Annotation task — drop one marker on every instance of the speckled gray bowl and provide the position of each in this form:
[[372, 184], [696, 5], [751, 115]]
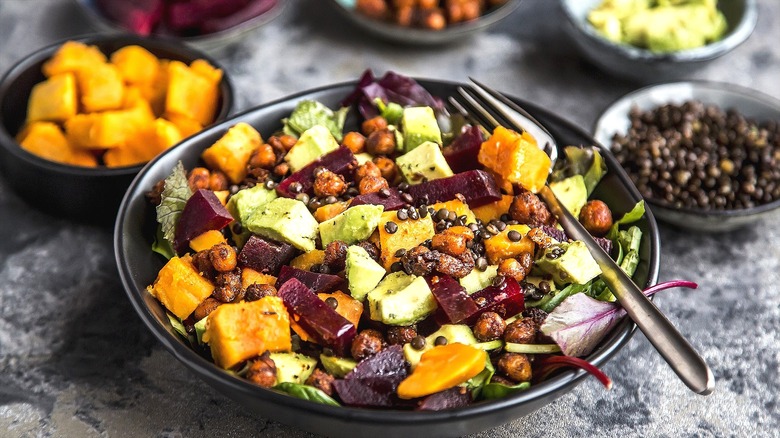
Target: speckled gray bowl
[[750, 103], [138, 267], [642, 65]]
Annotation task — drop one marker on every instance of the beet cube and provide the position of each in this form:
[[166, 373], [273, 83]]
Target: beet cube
[[373, 382], [313, 280], [455, 304], [316, 317], [203, 212], [462, 153], [456, 397], [507, 300], [476, 186], [138, 16], [341, 161], [391, 202], [265, 255]]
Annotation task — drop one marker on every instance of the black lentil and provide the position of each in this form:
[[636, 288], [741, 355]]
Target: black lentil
[[440, 340], [418, 342], [332, 302], [402, 214], [514, 235], [391, 227]]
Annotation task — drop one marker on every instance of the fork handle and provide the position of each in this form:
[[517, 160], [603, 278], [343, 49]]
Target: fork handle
[[674, 348]]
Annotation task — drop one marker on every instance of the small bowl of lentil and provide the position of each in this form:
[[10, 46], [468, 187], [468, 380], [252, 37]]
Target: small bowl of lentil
[[704, 155]]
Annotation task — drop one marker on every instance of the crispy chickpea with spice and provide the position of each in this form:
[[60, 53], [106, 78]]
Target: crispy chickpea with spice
[[426, 14]]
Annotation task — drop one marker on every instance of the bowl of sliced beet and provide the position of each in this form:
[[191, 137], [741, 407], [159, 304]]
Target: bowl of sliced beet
[[373, 267]]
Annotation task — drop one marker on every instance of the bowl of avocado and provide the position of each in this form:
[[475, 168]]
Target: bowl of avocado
[[654, 40]]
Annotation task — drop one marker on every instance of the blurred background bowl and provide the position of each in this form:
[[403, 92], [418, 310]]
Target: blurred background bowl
[[643, 65], [414, 36], [89, 194], [750, 103], [208, 42]]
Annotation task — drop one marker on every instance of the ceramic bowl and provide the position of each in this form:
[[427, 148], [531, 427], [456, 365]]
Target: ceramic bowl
[[750, 103], [138, 267], [642, 65], [80, 193]]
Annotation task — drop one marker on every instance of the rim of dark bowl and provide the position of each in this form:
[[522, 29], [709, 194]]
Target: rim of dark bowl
[[659, 204], [565, 381], [8, 140], [735, 36]]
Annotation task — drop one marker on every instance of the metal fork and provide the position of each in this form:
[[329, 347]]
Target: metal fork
[[486, 106]]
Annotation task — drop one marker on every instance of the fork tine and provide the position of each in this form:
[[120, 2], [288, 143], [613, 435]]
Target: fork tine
[[490, 122]]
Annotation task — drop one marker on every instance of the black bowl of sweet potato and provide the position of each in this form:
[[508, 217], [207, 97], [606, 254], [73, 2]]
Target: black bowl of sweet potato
[[135, 235], [73, 153]]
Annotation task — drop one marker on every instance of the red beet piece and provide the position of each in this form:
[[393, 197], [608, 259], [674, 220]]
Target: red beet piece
[[507, 300], [373, 382], [313, 280], [456, 397], [137, 16], [455, 304], [265, 256], [476, 186], [316, 317], [341, 161], [462, 153], [203, 212], [255, 8], [191, 14], [392, 202]]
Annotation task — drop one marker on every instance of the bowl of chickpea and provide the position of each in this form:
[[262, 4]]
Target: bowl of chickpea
[[424, 22]]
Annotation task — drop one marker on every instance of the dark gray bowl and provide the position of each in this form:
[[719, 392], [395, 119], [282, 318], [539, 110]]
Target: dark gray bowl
[[750, 103], [80, 193], [138, 267], [643, 65], [415, 36]]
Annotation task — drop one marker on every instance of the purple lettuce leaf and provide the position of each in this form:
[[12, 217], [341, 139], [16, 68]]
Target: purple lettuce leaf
[[392, 87], [580, 322]]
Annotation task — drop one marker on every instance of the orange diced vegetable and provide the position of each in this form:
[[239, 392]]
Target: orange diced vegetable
[[193, 93], [350, 308], [47, 140], [329, 211], [186, 126], [516, 158], [137, 65], [71, 57], [442, 367], [240, 331], [459, 207], [249, 276], [500, 247], [308, 259], [493, 210], [180, 288], [231, 153], [101, 88], [410, 233], [143, 145], [54, 99], [207, 240]]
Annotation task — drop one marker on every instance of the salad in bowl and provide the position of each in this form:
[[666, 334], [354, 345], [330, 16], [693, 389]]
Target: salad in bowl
[[383, 253]]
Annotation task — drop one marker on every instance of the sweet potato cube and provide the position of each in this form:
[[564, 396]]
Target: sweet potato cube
[[143, 145], [71, 57], [136, 64], [410, 233], [54, 99], [249, 277], [46, 140], [493, 210], [459, 207], [108, 129], [500, 247], [206, 240], [156, 91], [191, 92], [208, 71], [516, 158], [186, 126], [308, 259], [101, 88], [348, 307], [180, 288], [240, 331], [329, 211], [231, 153]]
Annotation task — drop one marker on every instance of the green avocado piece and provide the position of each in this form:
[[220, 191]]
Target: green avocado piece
[[336, 366], [286, 220], [477, 280], [575, 265], [426, 162], [453, 332], [312, 144], [401, 299], [572, 193], [363, 272], [351, 226], [419, 125], [242, 204], [293, 367]]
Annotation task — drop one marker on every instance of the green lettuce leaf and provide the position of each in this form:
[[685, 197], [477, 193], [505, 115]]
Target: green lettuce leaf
[[476, 383], [634, 215], [493, 390], [391, 111], [587, 162], [309, 113], [162, 246], [306, 392], [174, 197]]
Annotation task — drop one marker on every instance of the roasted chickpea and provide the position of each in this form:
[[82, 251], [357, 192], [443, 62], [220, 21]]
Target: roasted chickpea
[[387, 168], [262, 371], [257, 291], [355, 141], [521, 331], [489, 326], [596, 217], [515, 366], [207, 306], [371, 249], [366, 343], [223, 257], [218, 181], [404, 16], [287, 141], [328, 183], [202, 263], [455, 267], [281, 169], [321, 380], [527, 208], [516, 268], [335, 256], [373, 124], [400, 335], [198, 178], [540, 238], [380, 142], [228, 287], [367, 169], [419, 261], [372, 184], [264, 157], [453, 240], [432, 19]]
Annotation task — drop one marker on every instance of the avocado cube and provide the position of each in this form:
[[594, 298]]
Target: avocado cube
[[572, 193], [352, 225], [293, 367], [419, 125], [242, 204], [286, 220], [575, 265], [401, 299], [312, 144], [363, 272], [424, 163], [336, 366], [477, 280]]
